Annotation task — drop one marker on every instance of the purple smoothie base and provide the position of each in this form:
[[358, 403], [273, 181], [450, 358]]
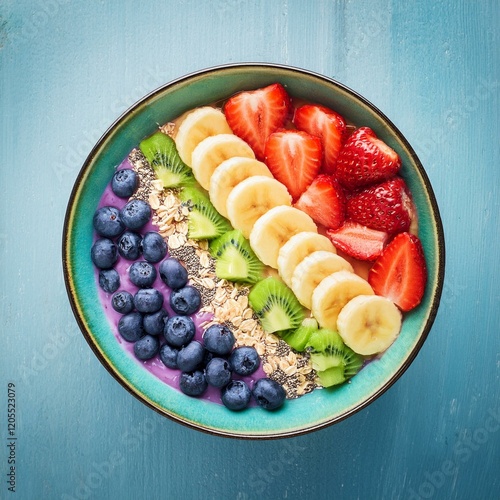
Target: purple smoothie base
[[155, 366]]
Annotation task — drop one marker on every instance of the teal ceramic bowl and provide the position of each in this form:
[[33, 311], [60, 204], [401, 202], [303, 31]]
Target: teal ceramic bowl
[[319, 408]]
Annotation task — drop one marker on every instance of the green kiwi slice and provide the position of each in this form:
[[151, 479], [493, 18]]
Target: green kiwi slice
[[299, 338]]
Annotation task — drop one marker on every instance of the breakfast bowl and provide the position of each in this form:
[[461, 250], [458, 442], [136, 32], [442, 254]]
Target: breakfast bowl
[[150, 381]]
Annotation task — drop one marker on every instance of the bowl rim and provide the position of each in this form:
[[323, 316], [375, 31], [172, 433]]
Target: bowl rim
[[434, 209]]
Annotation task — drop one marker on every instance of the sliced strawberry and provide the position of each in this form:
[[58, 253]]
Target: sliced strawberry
[[255, 114], [364, 159], [324, 201], [294, 158], [326, 124], [387, 206], [358, 241], [400, 273]]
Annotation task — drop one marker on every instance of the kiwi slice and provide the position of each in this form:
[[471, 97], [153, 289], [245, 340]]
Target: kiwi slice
[[299, 338], [276, 306], [235, 259], [204, 222], [161, 152]]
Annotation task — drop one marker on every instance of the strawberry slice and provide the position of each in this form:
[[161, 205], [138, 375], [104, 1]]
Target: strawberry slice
[[255, 114], [294, 158], [324, 201], [386, 207], [326, 124], [364, 159], [358, 241], [400, 273]]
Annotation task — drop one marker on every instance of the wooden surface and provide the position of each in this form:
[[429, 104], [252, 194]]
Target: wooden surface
[[69, 69]]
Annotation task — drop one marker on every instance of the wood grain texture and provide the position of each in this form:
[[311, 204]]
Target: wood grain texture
[[69, 69]]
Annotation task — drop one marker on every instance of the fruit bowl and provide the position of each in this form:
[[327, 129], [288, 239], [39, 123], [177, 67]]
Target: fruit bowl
[[319, 408]]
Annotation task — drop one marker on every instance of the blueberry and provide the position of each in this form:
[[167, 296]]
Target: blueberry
[[135, 214], [168, 356], [142, 274], [244, 360], [148, 300], [268, 393], [236, 395], [107, 222], [129, 245], [173, 273], [218, 339], [218, 372], [193, 384], [154, 323], [103, 253], [109, 280], [130, 326], [154, 247], [186, 300], [179, 330], [124, 183], [122, 302], [146, 347], [190, 356]]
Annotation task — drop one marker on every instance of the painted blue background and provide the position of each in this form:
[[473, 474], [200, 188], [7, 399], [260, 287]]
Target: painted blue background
[[69, 68]]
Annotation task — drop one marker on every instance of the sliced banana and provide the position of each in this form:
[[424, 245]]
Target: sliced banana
[[273, 229], [333, 293], [369, 324], [198, 125], [312, 270], [212, 151], [252, 198], [230, 173], [297, 248]]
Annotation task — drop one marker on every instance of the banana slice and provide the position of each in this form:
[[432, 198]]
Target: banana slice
[[273, 229], [312, 270], [230, 173], [196, 126], [333, 293], [369, 324], [252, 198], [212, 151], [297, 248]]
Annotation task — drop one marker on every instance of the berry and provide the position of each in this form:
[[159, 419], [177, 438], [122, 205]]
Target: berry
[[268, 393], [400, 273], [148, 300], [218, 372], [294, 158], [179, 330], [244, 360], [154, 247], [193, 384], [130, 326], [103, 253], [129, 245], [219, 339], [236, 395], [173, 273], [154, 323], [385, 207], [186, 300], [326, 124], [190, 356], [168, 356], [364, 160], [107, 222], [146, 347], [324, 201], [109, 280], [254, 115], [135, 214], [122, 302], [124, 183], [142, 274], [358, 241]]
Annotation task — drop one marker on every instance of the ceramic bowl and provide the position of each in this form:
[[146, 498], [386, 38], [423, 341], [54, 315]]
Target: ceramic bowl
[[312, 411]]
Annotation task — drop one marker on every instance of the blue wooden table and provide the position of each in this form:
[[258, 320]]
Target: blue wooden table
[[68, 69]]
